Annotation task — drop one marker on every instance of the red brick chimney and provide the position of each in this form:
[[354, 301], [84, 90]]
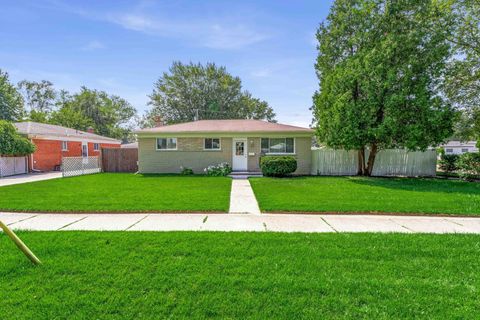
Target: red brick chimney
[[90, 130], [158, 121]]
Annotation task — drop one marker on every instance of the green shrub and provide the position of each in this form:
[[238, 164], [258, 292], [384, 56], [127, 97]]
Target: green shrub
[[185, 171], [11, 143], [448, 162], [222, 169], [469, 165], [278, 166]]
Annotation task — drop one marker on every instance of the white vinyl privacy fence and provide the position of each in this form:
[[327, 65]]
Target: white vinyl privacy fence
[[391, 162], [77, 166], [10, 166]]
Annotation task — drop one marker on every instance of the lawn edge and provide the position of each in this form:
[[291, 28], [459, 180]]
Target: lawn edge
[[351, 213], [114, 212]]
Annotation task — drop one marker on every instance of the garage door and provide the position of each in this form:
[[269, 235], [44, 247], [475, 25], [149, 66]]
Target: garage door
[[10, 166]]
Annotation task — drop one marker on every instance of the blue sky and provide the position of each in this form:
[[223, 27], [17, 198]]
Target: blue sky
[[122, 47]]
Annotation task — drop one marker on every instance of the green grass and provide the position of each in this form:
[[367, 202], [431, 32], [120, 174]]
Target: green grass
[[356, 194], [118, 192], [108, 275]]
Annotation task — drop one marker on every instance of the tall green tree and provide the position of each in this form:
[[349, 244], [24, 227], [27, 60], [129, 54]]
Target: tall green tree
[[109, 115], [379, 64], [11, 102], [206, 91], [462, 82], [39, 97]]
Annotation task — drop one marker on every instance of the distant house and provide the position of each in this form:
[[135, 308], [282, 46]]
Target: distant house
[[54, 142], [241, 143], [459, 147]]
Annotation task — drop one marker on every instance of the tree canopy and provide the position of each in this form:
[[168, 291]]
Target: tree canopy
[[206, 91], [379, 66], [462, 82], [39, 97], [12, 143], [11, 103], [108, 115]]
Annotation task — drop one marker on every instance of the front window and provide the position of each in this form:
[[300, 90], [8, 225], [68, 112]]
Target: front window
[[464, 150], [64, 146], [449, 150], [211, 144], [278, 145], [166, 143], [96, 146]]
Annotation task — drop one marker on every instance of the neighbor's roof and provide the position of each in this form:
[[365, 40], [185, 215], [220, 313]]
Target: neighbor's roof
[[227, 126], [457, 143], [133, 145], [49, 130]]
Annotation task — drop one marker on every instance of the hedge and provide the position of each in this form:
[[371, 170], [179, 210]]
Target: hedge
[[12, 143], [468, 165], [278, 166]]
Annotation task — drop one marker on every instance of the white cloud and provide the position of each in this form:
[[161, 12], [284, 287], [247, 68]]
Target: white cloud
[[93, 45], [261, 73], [205, 33]]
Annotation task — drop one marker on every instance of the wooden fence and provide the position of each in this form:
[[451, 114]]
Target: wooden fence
[[120, 160], [392, 162]]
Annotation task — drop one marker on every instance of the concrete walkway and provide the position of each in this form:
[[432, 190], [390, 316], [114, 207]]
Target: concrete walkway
[[242, 198], [241, 222], [30, 177]]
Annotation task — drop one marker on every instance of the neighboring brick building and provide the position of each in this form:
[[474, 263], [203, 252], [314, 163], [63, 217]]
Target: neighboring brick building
[[54, 142]]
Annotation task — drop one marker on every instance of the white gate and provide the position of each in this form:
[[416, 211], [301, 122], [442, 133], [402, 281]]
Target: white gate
[[77, 166], [10, 166]]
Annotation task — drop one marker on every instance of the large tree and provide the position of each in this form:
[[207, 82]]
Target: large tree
[[462, 82], [39, 97], [189, 91], [11, 102], [379, 65], [108, 115]]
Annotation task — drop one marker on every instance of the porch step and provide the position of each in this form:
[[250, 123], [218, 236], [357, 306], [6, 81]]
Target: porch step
[[244, 174]]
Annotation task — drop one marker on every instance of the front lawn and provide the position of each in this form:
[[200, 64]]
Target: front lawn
[[137, 275], [119, 192], [367, 195]]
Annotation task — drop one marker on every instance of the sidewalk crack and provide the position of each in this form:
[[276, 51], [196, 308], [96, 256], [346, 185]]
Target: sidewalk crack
[[69, 224], [137, 222], [328, 224]]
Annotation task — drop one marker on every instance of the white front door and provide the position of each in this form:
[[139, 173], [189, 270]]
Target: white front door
[[239, 161]]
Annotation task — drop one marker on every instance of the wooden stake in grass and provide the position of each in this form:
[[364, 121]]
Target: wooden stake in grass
[[19, 243]]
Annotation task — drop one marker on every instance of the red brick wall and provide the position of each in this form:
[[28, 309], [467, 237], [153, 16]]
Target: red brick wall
[[49, 152]]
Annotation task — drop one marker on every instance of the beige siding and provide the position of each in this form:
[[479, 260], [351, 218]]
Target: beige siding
[[303, 154], [190, 154]]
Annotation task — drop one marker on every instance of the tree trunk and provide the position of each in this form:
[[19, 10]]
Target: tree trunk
[[361, 162], [371, 159]]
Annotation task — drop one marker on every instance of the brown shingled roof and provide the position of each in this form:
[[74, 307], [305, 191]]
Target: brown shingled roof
[[31, 128], [227, 126]]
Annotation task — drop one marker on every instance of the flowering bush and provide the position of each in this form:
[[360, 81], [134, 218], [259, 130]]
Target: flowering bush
[[222, 169]]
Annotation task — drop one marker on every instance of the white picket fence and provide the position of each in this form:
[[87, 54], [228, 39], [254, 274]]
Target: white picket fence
[[391, 162], [77, 166], [10, 166]]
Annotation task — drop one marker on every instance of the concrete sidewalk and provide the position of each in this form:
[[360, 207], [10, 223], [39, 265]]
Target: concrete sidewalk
[[29, 177], [241, 222]]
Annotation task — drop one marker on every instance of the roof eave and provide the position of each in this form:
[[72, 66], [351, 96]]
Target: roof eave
[[225, 134]]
